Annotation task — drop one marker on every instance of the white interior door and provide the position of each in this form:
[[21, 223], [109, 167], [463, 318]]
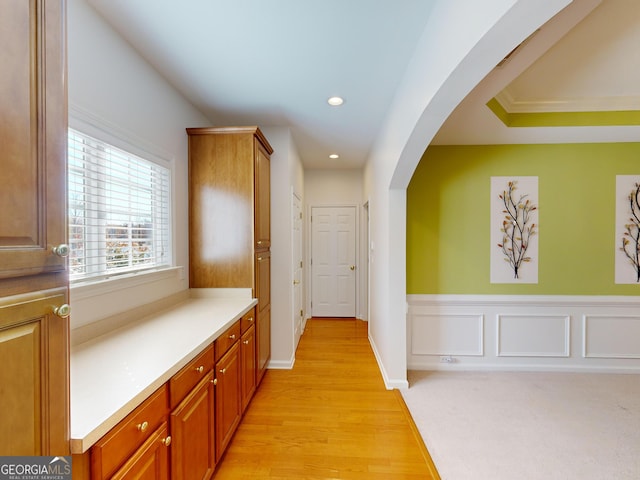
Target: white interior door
[[333, 261], [296, 264]]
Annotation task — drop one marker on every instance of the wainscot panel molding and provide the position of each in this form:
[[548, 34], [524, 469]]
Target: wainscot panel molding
[[533, 335], [523, 332], [608, 336]]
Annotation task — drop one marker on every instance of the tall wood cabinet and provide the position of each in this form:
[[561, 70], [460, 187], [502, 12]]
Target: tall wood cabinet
[[230, 219], [34, 331]]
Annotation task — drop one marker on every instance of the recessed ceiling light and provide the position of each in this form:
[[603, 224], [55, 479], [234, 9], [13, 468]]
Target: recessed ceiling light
[[334, 155], [335, 101]]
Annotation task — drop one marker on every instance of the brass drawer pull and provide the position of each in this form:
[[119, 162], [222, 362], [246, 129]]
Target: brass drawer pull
[[232, 336], [166, 441], [143, 426], [200, 369]]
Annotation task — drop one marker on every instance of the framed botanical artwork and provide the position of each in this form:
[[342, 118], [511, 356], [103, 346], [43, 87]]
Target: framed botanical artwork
[[627, 241], [514, 230]]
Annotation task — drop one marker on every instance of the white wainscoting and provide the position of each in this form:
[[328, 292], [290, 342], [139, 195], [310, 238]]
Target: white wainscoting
[[528, 333]]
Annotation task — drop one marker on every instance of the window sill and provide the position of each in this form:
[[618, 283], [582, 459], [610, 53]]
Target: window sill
[[86, 290]]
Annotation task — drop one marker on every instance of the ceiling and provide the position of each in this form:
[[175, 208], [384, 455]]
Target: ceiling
[[252, 62], [585, 60]]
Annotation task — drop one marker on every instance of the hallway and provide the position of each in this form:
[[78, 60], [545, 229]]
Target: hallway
[[328, 417]]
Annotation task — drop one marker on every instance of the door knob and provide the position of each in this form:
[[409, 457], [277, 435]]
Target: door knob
[[62, 311], [61, 250], [352, 267]]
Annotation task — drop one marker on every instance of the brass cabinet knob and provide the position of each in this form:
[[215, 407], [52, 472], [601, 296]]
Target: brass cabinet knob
[[61, 250], [246, 342], [142, 427], [200, 369], [214, 381], [250, 319], [223, 371], [166, 441], [62, 311], [232, 336], [352, 267]]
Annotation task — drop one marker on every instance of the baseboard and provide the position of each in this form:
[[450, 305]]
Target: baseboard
[[282, 364], [523, 333], [390, 383]]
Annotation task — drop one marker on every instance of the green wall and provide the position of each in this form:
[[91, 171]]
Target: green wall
[[448, 217]]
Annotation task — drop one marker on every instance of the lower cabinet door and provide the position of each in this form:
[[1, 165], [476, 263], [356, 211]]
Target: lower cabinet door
[[150, 461], [34, 378], [248, 354], [263, 342], [228, 390], [193, 433]]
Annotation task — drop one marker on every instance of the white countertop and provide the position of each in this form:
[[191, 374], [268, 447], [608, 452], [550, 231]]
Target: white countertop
[[112, 374]]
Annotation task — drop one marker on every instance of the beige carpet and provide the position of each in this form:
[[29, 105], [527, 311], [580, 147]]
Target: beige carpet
[[519, 426]]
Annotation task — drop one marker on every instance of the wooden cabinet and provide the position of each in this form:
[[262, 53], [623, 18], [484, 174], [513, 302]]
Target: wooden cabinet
[[247, 360], [230, 219], [150, 461], [34, 346], [34, 374], [193, 433], [185, 426], [263, 329], [228, 391], [120, 449], [192, 419]]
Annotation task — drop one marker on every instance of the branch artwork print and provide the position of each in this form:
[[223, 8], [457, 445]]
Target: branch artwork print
[[517, 227], [631, 237]]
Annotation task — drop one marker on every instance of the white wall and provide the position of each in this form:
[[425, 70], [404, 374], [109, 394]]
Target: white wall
[[111, 86], [461, 43], [287, 177]]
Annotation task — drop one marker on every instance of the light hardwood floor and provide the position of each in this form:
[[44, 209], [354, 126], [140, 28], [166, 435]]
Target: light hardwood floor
[[330, 417]]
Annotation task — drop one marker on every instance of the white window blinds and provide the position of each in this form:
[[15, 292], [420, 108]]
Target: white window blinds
[[119, 210]]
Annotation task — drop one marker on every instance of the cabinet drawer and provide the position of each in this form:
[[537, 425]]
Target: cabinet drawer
[[247, 320], [111, 451], [226, 339], [189, 376]]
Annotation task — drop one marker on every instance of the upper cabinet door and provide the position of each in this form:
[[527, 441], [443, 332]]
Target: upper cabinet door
[[33, 132], [262, 198]]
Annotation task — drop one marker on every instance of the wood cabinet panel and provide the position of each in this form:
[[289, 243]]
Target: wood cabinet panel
[[189, 376], [220, 210], [34, 343], [263, 293], [33, 136], [263, 283], [248, 366], [228, 391], [263, 197], [193, 433], [247, 320], [34, 375], [150, 461], [230, 336], [109, 453], [263, 341]]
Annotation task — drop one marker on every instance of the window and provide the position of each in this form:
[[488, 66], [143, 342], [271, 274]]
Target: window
[[119, 210]]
